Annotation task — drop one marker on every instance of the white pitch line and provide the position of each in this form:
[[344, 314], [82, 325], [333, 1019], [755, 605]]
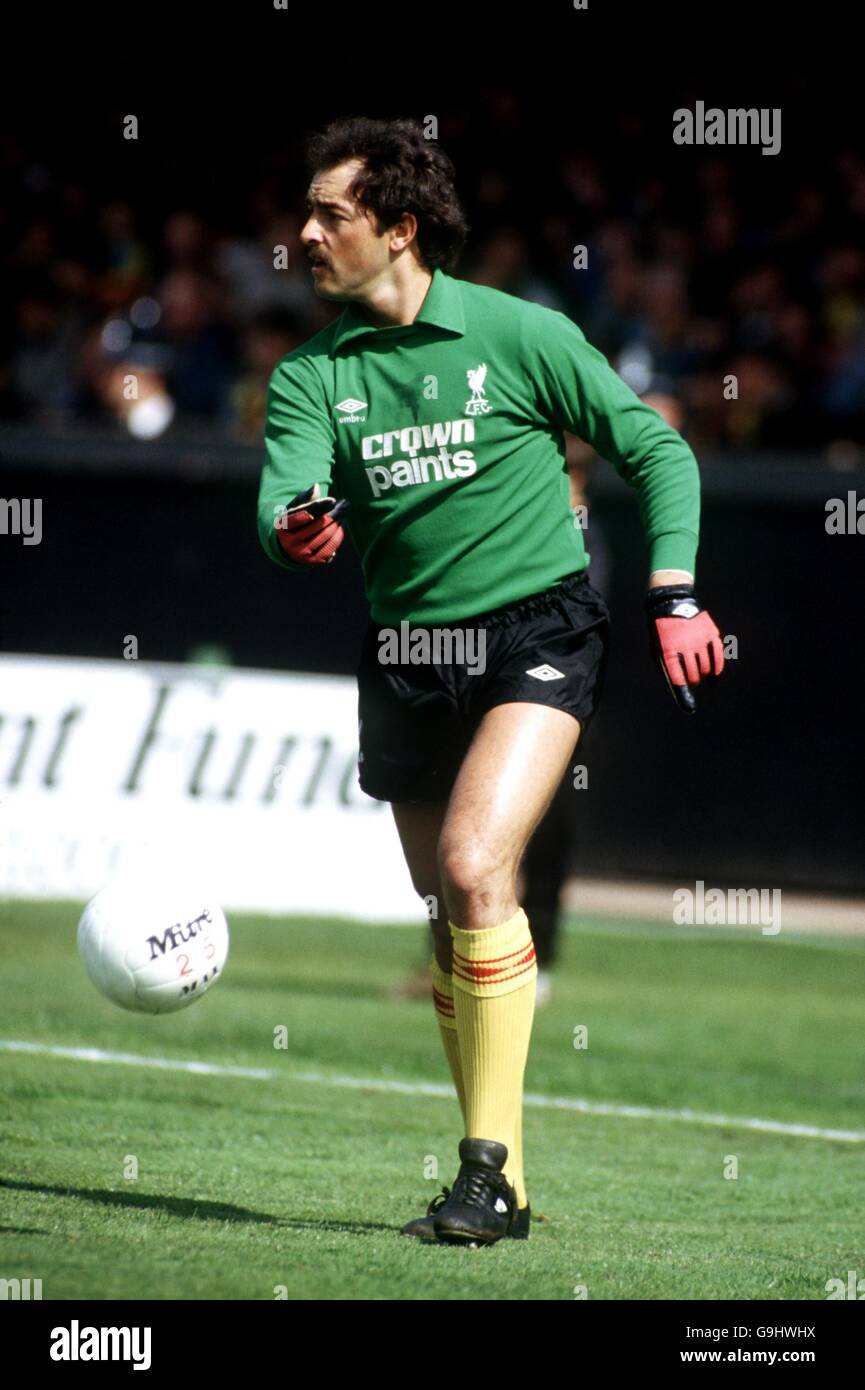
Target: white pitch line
[[592, 1107], [438, 1089], [130, 1059]]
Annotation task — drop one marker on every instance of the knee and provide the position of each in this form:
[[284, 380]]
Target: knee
[[470, 871]]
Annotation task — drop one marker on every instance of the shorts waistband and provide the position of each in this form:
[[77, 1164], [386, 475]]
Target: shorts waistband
[[526, 607]]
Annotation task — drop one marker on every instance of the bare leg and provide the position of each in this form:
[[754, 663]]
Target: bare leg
[[508, 778], [419, 827]]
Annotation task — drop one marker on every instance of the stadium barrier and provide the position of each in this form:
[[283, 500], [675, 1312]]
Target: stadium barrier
[[245, 780]]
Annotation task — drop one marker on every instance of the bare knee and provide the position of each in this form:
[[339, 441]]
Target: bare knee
[[475, 878]]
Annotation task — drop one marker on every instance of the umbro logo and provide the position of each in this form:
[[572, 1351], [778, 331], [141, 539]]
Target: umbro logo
[[350, 409], [545, 673], [688, 609]]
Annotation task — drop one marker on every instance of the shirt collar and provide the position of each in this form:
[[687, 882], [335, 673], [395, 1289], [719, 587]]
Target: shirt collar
[[442, 307]]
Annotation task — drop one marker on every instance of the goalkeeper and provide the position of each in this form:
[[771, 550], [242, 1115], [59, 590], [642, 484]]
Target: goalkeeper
[[434, 410]]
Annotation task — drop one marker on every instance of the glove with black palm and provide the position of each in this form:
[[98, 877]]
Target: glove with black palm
[[307, 529], [683, 640]]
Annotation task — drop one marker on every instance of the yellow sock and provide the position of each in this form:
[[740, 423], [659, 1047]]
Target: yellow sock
[[494, 974], [443, 999]]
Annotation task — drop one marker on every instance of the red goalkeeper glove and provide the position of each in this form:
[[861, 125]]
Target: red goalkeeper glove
[[307, 530], [683, 640]]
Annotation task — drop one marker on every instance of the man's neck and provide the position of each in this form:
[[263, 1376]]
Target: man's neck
[[396, 304]]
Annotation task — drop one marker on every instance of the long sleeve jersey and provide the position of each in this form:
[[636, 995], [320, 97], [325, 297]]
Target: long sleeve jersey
[[446, 436]]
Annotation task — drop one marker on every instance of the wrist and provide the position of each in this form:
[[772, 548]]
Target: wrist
[[659, 578]]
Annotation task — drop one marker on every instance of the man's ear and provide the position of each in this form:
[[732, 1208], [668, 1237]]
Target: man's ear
[[407, 233]]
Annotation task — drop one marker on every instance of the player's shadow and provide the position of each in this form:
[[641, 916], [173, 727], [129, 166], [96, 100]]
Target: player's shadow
[[185, 1207], [190, 1207]]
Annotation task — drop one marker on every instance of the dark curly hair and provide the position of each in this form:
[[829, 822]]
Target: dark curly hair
[[403, 172]]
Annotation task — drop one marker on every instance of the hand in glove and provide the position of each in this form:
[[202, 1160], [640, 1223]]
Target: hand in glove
[[683, 640], [307, 530]]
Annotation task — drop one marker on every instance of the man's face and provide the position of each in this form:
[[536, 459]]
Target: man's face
[[340, 237]]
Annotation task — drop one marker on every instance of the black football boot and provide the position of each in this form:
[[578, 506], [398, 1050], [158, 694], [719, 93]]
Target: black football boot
[[424, 1226], [482, 1205]]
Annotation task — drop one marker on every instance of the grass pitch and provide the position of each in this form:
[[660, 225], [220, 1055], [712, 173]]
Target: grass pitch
[[295, 1183]]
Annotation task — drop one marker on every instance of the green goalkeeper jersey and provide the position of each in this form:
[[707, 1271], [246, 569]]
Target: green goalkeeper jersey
[[446, 437]]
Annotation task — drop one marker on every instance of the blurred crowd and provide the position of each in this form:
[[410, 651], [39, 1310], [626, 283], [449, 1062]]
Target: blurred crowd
[[738, 294]]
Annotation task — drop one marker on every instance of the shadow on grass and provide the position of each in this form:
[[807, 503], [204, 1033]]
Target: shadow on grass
[[186, 1208], [177, 1206]]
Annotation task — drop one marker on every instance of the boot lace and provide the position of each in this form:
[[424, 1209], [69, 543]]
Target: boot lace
[[475, 1187]]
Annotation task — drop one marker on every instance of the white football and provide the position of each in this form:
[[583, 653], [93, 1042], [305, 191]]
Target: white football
[[153, 951]]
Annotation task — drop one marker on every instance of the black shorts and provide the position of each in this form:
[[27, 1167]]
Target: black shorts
[[416, 721]]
